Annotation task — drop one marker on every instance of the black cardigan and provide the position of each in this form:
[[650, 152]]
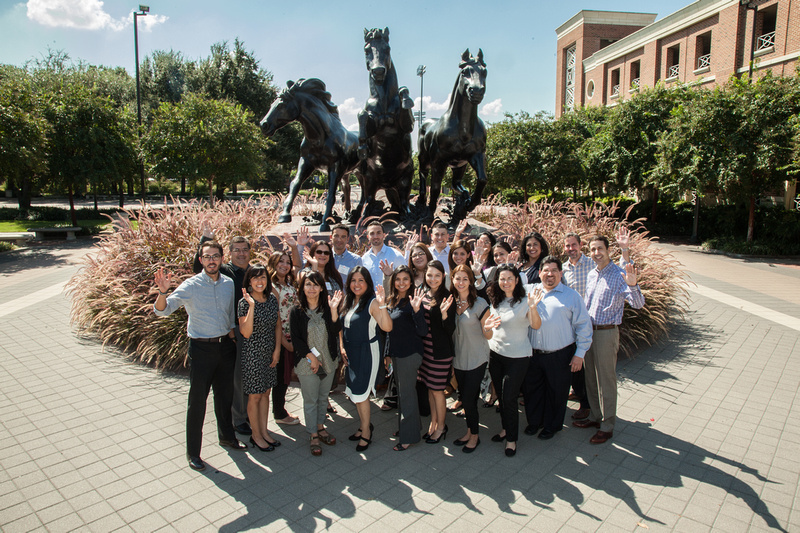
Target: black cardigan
[[298, 325], [442, 332]]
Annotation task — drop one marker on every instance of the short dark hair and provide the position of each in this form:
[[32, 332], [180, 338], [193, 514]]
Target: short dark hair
[[238, 239], [550, 260], [341, 227], [256, 271], [601, 238], [573, 234], [438, 224], [376, 223], [211, 244], [523, 251]]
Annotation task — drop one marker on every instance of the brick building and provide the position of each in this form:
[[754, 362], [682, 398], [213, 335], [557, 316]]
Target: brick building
[[605, 56]]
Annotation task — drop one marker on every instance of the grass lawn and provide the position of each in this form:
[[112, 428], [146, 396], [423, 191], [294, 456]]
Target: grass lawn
[[13, 226]]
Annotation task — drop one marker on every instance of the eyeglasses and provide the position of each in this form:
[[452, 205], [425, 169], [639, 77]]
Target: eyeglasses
[[322, 252], [211, 257]]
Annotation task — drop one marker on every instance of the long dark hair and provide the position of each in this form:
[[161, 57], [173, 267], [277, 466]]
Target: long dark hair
[[256, 271], [441, 293], [330, 272], [272, 268], [472, 294], [394, 300], [349, 295], [497, 295], [317, 279], [490, 255], [460, 243], [523, 251]]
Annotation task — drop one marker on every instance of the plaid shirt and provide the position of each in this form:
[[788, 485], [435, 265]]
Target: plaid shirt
[[606, 292], [575, 276]]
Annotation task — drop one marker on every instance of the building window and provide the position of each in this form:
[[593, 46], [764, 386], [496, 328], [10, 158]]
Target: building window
[[673, 62], [636, 67], [590, 89], [765, 29], [703, 53], [615, 83], [606, 42], [570, 57]]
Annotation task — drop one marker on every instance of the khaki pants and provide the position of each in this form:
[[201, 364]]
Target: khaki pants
[[601, 377]]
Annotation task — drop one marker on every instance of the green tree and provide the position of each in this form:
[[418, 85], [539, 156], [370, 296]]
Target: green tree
[[203, 139], [163, 78], [23, 134], [734, 140], [513, 151]]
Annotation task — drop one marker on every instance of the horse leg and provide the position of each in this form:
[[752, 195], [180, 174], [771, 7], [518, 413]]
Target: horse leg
[[437, 174], [334, 176], [460, 194], [304, 170], [478, 164], [356, 214], [424, 169], [346, 192]]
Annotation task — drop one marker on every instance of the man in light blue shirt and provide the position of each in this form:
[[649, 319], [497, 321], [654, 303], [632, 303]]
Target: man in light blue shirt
[[559, 346], [208, 300], [378, 251], [345, 260]]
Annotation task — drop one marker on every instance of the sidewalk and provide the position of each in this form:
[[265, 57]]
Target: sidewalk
[[93, 443]]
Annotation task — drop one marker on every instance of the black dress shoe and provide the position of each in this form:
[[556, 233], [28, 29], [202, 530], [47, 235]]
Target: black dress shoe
[[546, 434], [268, 448], [467, 449], [530, 430], [511, 452], [498, 438], [244, 428], [195, 463], [460, 442], [357, 435], [232, 444]]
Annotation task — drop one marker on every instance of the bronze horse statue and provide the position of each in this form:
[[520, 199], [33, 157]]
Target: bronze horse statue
[[384, 129], [456, 139], [326, 145]]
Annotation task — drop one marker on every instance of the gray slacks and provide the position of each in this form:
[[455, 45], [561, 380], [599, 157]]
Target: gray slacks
[[315, 399], [601, 377]]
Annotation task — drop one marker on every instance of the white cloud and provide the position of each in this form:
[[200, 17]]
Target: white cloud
[[430, 108], [348, 113], [493, 109], [83, 15]]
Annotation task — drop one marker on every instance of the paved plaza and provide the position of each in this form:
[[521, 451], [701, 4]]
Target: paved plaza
[[91, 442]]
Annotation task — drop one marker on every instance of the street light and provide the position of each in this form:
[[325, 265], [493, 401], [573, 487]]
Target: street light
[[420, 73], [751, 4], [143, 11]]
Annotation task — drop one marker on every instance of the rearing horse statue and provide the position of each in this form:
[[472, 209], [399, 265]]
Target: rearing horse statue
[[456, 139], [326, 145], [384, 129]]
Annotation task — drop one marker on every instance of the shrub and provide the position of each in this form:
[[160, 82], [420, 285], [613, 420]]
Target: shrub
[[113, 296], [6, 246], [662, 282]]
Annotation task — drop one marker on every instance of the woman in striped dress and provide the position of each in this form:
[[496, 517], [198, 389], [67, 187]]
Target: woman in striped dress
[[437, 356]]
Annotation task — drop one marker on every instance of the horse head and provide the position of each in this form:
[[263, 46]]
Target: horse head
[[472, 81], [378, 53], [284, 110]]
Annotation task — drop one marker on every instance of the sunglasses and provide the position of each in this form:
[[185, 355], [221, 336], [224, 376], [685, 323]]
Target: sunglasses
[[322, 252]]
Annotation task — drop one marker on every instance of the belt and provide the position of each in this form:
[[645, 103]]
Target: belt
[[212, 339], [545, 352], [604, 326]]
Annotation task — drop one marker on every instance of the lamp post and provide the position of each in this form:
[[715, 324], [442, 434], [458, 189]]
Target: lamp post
[[421, 74], [751, 4], [143, 11]]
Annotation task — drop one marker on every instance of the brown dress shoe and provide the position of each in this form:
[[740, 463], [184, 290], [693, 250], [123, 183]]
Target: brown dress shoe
[[586, 424], [580, 414], [601, 436]]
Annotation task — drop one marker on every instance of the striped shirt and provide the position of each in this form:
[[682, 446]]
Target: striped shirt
[[606, 292], [575, 276]]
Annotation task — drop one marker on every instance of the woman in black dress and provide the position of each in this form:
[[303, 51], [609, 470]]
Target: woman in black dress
[[260, 326]]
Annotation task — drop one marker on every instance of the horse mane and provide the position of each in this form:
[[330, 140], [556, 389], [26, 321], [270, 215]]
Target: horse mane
[[315, 88]]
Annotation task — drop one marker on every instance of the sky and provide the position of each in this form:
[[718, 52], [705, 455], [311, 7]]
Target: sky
[[311, 38]]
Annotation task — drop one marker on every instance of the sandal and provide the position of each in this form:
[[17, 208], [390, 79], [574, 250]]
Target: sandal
[[362, 447], [326, 438], [316, 449], [357, 435], [401, 447]]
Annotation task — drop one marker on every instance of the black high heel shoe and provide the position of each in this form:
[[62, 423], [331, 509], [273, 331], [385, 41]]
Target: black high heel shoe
[[357, 435], [267, 449], [362, 447], [443, 435]]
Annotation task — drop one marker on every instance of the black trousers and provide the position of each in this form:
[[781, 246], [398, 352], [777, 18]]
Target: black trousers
[[469, 388], [579, 386], [546, 388], [508, 373], [279, 390], [212, 366]]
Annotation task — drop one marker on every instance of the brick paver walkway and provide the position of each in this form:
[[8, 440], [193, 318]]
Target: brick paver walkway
[[705, 441]]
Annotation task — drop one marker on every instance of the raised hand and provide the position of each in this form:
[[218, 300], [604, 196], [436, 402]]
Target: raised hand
[[631, 274], [412, 240], [480, 250], [335, 299], [534, 297], [461, 228], [302, 236], [308, 258], [623, 237], [492, 322], [380, 294], [247, 297], [416, 300], [205, 227], [386, 267], [445, 305], [163, 279], [513, 258], [288, 239]]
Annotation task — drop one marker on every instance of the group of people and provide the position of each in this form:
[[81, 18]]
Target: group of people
[[437, 316]]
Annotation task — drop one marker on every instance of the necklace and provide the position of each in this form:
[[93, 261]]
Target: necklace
[[461, 302]]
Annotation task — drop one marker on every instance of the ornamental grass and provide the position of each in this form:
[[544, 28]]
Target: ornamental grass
[[661, 280], [113, 294]]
